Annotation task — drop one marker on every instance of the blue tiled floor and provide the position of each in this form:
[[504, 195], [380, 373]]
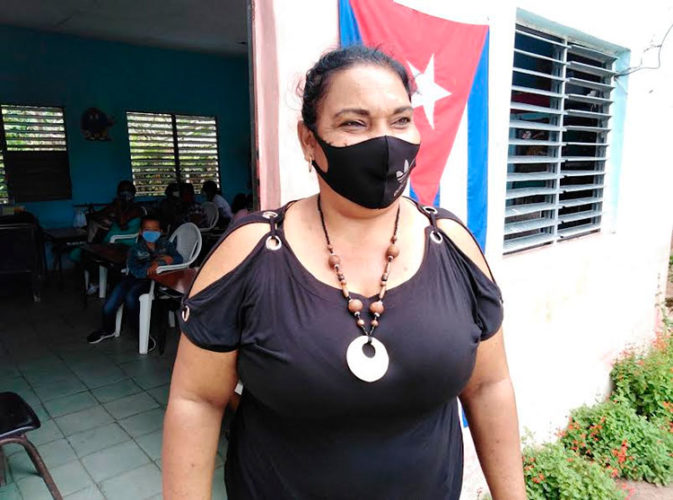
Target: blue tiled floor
[[101, 406]]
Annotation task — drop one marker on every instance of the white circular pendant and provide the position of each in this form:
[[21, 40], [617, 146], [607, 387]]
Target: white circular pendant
[[364, 367]]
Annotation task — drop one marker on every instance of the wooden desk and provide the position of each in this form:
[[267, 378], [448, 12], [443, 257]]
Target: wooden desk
[[171, 286], [178, 281], [63, 239], [65, 234], [113, 254], [109, 257]]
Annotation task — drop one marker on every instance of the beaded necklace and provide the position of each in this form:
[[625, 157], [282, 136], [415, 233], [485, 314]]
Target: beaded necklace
[[369, 368]]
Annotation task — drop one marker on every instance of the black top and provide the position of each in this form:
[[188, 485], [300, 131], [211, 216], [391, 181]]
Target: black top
[[306, 427]]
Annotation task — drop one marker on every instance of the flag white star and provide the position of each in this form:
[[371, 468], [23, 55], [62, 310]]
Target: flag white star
[[428, 92]]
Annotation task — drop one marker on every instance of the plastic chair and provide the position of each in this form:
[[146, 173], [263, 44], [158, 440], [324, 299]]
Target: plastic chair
[[17, 418], [102, 270], [212, 214], [187, 239]]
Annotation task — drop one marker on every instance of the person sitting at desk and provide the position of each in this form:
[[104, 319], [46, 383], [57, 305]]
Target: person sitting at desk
[[171, 208], [119, 217], [241, 206], [151, 251], [192, 209], [213, 194]]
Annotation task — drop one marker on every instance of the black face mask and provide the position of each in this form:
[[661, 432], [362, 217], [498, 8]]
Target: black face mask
[[372, 173]]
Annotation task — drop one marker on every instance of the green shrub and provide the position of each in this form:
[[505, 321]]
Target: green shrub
[[645, 381], [625, 443], [554, 473]]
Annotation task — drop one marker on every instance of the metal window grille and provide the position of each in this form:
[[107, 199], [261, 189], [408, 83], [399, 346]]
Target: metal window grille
[[169, 148], [558, 141], [33, 153], [32, 128], [4, 196]]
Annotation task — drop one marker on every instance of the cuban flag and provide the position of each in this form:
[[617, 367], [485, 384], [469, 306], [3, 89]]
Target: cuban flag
[[449, 63]]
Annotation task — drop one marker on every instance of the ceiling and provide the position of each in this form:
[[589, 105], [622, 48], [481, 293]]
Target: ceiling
[[214, 26]]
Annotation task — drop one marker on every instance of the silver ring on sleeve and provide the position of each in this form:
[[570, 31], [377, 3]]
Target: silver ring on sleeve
[[436, 237], [273, 243]]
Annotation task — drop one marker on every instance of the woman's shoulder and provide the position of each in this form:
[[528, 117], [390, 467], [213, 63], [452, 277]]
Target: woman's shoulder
[[465, 241], [457, 231], [236, 246]]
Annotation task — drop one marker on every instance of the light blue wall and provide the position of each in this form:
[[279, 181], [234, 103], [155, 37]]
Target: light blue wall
[[78, 73]]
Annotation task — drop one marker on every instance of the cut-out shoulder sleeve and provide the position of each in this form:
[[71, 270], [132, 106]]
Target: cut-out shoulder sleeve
[[488, 298], [212, 318]]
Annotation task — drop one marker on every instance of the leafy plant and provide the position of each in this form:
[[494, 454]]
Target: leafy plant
[[614, 436], [645, 381], [555, 473]]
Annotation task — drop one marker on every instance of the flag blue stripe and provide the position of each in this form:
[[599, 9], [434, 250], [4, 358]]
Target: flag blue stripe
[[477, 151], [349, 34]]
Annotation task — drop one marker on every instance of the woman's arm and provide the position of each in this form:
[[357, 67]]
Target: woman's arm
[[490, 407], [201, 385], [488, 399]]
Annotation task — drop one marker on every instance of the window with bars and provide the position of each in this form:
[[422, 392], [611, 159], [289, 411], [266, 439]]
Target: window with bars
[[4, 195], [169, 148], [558, 141], [33, 154]]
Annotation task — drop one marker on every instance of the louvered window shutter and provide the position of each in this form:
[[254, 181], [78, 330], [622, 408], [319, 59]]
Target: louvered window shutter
[[559, 124], [169, 148], [34, 164]]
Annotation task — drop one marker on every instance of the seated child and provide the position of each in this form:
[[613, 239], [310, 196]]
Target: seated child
[[151, 251]]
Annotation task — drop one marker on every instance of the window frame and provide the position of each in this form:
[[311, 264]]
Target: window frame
[[177, 170], [12, 197], [544, 230]]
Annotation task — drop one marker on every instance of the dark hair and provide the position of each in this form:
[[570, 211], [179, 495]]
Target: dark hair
[[171, 188], [210, 186], [152, 216], [318, 77], [239, 203], [186, 187], [126, 185]]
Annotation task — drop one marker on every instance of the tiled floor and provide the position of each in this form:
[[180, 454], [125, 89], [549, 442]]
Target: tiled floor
[[101, 406]]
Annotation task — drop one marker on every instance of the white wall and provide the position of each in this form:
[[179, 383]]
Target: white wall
[[571, 307]]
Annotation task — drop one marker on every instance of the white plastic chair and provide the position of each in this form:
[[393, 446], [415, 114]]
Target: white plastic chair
[[102, 270], [187, 239], [212, 214]]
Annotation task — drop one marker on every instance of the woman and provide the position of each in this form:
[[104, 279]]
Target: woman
[[213, 194], [117, 215], [288, 302]]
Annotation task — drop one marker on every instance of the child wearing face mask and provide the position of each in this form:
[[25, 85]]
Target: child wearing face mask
[[150, 251]]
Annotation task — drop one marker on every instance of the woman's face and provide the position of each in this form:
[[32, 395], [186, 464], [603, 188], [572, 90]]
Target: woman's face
[[360, 103]]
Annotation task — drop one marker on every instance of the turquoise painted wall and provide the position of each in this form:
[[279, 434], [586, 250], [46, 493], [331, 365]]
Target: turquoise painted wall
[[77, 73]]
